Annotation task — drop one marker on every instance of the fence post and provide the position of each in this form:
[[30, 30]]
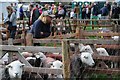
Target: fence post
[[66, 59], [10, 42], [23, 38], [0, 54], [78, 32], [7, 33], [29, 39], [0, 44]]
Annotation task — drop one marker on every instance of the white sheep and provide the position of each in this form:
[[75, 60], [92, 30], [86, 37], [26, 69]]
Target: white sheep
[[86, 48], [56, 65], [14, 70], [82, 48], [102, 51], [87, 58], [116, 38], [79, 62]]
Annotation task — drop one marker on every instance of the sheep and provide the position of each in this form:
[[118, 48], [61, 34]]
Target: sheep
[[114, 52], [56, 65], [45, 60], [13, 71], [86, 48], [102, 52], [34, 61], [40, 60], [116, 38], [82, 48], [78, 64]]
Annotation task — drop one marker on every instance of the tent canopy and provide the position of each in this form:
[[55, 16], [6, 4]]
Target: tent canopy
[[9, 1], [89, 0]]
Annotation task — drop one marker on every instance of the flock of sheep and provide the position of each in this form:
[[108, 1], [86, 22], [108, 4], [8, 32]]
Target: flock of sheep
[[14, 70]]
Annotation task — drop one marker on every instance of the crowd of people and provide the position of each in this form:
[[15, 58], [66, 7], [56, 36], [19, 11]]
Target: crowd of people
[[94, 10], [40, 17]]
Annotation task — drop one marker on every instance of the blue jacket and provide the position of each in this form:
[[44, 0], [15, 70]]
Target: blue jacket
[[104, 11], [38, 27], [21, 12]]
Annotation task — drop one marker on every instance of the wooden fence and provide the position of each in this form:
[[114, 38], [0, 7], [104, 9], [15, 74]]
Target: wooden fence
[[64, 49], [79, 25]]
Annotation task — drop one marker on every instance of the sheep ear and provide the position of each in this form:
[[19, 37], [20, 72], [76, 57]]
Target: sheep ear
[[8, 66], [23, 65], [80, 46]]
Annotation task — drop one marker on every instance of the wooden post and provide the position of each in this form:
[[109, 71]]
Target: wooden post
[[78, 32], [66, 59], [23, 38], [22, 58], [0, 38], [10, 42], [0, 54], [29, 39], [7, 32]]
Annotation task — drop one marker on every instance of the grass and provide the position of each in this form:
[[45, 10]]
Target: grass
[[104, 77], [51, 44]]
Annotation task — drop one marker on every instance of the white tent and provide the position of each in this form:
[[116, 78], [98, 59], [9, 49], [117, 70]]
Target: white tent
[[47, 1], [89, 0], [3, 5]]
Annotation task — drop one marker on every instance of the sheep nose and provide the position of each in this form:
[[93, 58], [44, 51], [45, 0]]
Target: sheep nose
[[16, 73], [93, 63]]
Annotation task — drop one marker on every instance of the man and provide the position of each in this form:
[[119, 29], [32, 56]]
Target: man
[[34, 13], [41, 27], [104, 12], [115, 14]]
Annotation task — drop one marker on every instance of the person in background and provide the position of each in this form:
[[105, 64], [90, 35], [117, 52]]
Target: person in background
[[88, 11], [40, 10], [65, 11], [41, 27], [72, 14], [34, 13], [104, 12], [59, 7], [55, 11], [83, 12], [115, 12], [31, 6], [46, 7], [61, 12], [14, 7], [77, 11], [11, 21], [21, 13], [49, 10], [95, 10]]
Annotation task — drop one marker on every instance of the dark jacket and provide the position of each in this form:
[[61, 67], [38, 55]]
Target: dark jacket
[[35, 15], [38, 27], [104, 11], [21, 13]]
